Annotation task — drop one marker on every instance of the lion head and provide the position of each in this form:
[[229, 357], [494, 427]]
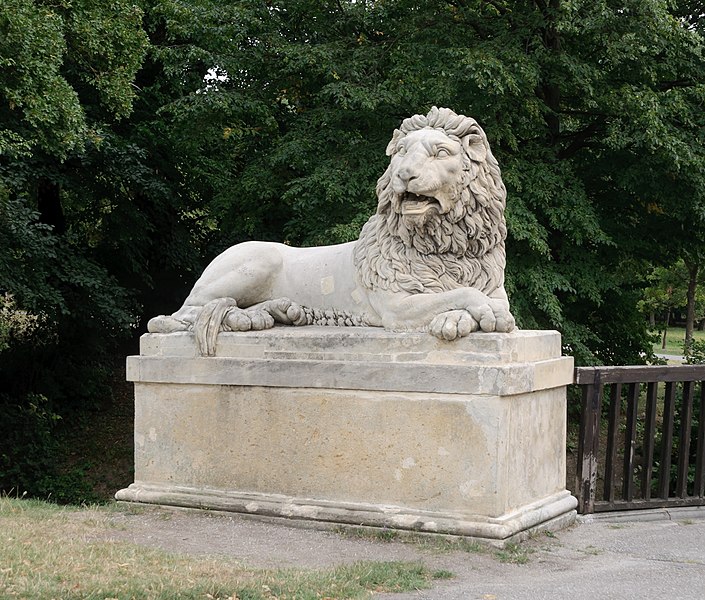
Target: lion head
[[440, 215]]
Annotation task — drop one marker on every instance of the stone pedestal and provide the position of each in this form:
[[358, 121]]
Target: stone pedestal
[[357, 426]]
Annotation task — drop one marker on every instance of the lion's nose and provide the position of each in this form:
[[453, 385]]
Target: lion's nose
[[406, 174]]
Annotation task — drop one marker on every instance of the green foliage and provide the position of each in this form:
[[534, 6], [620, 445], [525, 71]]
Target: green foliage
[[67, 74], [41, 108], [15, 324], [64, 65], [28, 250], [666, 290], [696, 356], [28, 445], [676, 287]]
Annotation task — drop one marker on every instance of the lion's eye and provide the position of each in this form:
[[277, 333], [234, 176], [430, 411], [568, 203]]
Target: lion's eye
[[442, 153], [401, 150]]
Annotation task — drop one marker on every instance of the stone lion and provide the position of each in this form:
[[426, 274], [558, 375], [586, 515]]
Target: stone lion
[[431, 259]]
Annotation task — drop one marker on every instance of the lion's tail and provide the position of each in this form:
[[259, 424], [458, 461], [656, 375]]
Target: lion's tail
[[332, 317], [209, 322]]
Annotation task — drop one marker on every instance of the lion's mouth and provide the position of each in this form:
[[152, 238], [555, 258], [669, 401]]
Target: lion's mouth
[[414, 204]]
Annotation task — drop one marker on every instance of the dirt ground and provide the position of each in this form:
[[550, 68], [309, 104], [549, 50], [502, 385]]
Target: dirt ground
[[258, 543]]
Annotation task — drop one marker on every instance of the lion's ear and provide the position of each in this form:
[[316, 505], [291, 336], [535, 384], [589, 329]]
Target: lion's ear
[[392, 145], [474, 145]]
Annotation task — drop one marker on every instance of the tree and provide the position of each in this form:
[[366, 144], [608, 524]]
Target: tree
[[269, 120], [67, 75], [693, 267], [66, 78], [675, 287]]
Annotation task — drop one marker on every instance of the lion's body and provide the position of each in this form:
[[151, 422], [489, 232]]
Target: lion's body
[[431, 258], [321, 277]]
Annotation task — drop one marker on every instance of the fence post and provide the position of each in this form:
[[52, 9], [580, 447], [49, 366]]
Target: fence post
[[669, 402], [588, 444], [700, 452]]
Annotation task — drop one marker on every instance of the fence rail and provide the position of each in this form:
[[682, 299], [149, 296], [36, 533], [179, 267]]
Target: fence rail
[[642, 437]]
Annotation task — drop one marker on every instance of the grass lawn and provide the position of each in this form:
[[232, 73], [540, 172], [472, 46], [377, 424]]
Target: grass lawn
[[51, 552], [674, 340]]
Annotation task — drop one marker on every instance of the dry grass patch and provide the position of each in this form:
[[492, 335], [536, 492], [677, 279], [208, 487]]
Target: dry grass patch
[[50, 552]]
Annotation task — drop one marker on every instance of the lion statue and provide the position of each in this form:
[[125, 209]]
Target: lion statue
[[431, 259]]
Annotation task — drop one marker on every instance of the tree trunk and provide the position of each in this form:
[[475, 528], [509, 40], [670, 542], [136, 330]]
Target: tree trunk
[[550, 92], [652, 319], [665, 329], [49, 205], [690, 306]]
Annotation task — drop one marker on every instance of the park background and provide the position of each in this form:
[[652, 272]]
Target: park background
[[140, 139]]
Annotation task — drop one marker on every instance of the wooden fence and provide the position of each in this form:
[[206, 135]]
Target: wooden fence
[[642, 437]]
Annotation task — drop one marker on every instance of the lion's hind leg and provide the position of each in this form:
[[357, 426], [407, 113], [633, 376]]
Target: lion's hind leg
[[247, 319], [223, 314], [264, 315]]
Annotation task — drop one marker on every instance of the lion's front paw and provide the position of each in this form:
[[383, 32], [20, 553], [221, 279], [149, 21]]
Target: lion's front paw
[[504, 321], [453, 324], [493, 317], [485, 317]]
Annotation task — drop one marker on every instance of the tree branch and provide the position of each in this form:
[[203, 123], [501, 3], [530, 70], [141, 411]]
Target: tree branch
[[542, 5], [500, 9], [581, 138], [664, 86]]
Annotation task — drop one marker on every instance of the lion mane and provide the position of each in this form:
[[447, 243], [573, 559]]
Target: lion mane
[[462, 248]]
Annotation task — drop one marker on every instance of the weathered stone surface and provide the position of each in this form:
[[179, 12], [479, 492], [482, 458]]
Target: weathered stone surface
[[356, 343], [465, 437], [553, 513]]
